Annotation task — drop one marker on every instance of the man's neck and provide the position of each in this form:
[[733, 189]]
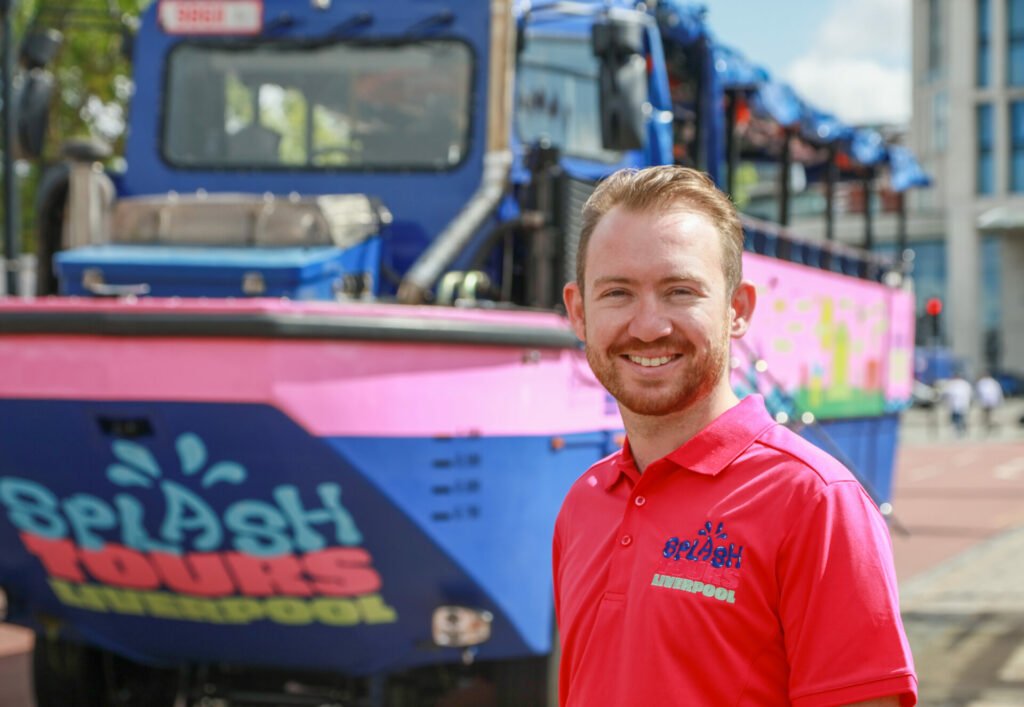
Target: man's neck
[[652, 437]]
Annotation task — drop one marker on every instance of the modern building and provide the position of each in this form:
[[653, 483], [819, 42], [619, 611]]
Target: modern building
[[968, 132]]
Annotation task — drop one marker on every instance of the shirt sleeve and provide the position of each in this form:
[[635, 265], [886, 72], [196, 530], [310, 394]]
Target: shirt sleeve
[[556, 556], [839, 604]]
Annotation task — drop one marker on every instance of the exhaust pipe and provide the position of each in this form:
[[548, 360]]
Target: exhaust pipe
[[418, 282]]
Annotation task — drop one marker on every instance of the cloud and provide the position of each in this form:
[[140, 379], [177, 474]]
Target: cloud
[[858, 66], [857, 91]]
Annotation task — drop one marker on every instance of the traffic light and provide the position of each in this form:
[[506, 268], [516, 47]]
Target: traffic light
[[933, 308]]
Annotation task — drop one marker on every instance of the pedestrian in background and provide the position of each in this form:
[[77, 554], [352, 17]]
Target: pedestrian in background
[[990, 397], [718, 558], [957, 393]]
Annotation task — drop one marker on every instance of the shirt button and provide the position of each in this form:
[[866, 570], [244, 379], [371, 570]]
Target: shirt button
[[639, 500], [626, 540]]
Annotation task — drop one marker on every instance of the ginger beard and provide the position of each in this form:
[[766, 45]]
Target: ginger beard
[[692, 378]]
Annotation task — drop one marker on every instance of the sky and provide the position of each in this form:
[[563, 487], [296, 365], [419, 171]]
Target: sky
[[847, 57]]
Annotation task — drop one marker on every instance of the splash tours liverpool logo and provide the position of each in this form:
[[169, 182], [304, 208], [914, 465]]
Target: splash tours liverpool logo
[[703, 565], [286, 559]]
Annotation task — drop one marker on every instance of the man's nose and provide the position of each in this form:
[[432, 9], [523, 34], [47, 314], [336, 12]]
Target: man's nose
[[650, 321]]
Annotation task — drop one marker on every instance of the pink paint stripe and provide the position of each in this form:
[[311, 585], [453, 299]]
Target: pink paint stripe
[[330, 388], [157, 305]]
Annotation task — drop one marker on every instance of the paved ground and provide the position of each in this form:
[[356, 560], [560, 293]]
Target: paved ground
[[959, 558], [961, 567]]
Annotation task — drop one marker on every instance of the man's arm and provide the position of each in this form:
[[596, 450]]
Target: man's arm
[[891, 701], [839, 604]]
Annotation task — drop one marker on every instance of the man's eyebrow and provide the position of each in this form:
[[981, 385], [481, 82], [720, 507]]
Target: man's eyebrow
[[613, 280], [623, 280]]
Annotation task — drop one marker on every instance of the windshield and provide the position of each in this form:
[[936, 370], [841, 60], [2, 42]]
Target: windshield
[[338, 106]]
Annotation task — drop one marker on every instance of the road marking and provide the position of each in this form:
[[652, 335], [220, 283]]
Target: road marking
[[925, 472], [967, 458], [1009, 469], [1013, 669]]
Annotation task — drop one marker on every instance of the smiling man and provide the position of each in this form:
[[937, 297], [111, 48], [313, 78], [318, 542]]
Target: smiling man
[[718, 558]]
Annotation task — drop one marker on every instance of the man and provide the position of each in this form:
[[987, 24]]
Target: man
[[717, 559], [957, 393], [990, 397]]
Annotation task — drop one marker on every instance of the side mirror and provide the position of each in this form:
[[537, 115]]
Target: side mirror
[[619, 45]]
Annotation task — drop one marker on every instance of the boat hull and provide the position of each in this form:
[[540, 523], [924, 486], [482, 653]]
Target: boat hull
[[292, 502]]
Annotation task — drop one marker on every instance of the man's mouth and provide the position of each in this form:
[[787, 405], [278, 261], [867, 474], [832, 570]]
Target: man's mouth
[[651, 362]]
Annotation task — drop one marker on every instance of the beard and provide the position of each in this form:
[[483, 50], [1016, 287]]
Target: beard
[[698, 376]]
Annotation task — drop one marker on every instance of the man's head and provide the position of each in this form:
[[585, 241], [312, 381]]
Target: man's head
[[664, 188], [659, 294]]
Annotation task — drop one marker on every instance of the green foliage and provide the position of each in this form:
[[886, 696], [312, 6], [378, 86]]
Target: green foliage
[[93, 80], [239, 109]]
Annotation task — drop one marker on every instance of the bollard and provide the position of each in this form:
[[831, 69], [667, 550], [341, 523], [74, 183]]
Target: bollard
[[27, 276], [23, 270]]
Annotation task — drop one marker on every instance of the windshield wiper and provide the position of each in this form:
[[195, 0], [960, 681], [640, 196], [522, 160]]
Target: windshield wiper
[[280, 24], [357, 21], [438, 19]]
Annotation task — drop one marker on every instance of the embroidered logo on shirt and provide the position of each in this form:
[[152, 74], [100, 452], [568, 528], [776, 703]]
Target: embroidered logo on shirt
[[705, 550], [714, 572], [694, 587]]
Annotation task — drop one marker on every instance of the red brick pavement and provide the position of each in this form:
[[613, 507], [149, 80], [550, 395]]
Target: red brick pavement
[[951, 495]]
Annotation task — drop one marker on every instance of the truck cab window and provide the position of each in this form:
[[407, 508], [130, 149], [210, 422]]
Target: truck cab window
[[371, 106], [557, 97]]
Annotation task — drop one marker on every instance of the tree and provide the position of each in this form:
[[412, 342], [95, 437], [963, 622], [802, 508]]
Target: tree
[[93, 76]]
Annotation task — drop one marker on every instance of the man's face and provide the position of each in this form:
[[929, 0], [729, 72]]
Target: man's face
[[656, 317]]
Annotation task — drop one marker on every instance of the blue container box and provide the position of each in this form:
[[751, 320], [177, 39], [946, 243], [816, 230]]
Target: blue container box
[[319, 273]]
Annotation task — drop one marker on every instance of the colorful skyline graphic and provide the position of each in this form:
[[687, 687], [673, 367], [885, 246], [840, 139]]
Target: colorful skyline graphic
[[833, 345]]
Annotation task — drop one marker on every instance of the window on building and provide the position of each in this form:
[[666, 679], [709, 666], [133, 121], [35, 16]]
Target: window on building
[[991, 270], [1015, 42], [985, 183], [934, 39], [984, 43], [929, 273], [940, 121], [1017, 146]]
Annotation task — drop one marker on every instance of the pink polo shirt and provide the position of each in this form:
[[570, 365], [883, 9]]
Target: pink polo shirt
[[747, 567]]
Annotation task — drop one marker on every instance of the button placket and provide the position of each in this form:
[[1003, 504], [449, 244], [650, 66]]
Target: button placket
[[623, 563]]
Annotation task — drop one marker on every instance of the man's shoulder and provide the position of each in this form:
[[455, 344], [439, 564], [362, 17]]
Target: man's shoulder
[[598, 474], [799, 460], [579, 500]]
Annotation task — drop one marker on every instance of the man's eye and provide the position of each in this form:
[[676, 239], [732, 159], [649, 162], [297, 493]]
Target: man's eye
[[614, 293], [682, 291]]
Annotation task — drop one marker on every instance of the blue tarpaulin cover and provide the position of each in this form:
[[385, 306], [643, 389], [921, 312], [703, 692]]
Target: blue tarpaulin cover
[[867, 146], [906, 172], [777, 101], [735, 70], [684, 22]]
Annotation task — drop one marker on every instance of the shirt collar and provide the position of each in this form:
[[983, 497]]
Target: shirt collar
[[709, 451]]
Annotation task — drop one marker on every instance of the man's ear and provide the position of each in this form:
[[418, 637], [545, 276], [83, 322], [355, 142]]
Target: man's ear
[[744, 299], [574, 308]]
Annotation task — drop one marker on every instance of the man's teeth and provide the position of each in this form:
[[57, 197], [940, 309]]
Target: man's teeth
[[644, 361]]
